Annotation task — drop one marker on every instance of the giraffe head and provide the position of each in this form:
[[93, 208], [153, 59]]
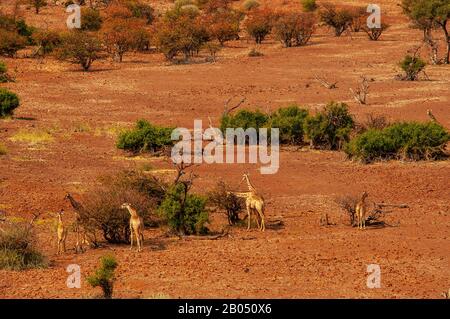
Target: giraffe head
[[125, 205], [60, 213], [245, 176], [68, 196], [364, 195]]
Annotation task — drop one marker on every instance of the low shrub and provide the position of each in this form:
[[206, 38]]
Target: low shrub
[[46, 40], [185, 213], [408, 140], [248, 5], [8, 102], [254, 53], [10, 43], [226, 202], [375, 33], [359, 18], [17, 248], [309, 5], [3, 149], [145, 137], [244, 119], [412, 66], [330, 128], [104, 276], [290, 120], [4, 76], [102, 206]]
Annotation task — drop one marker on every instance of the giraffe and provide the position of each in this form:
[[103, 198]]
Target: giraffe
[[253, 202], [78, 228], [361, 210], [61, 232], [136, 226]]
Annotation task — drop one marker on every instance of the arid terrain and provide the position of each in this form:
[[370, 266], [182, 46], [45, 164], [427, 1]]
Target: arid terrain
[[83, 111]]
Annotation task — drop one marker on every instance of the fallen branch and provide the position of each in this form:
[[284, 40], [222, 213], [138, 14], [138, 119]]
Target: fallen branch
[[325, 83]]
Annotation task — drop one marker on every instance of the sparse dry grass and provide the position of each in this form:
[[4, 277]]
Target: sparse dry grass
[[32, 136], [3, 150]]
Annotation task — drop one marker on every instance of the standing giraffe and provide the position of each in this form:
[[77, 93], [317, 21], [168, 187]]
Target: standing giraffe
[[61, 232], [79, 230], [361, 210], [253, 202], [136, 226]]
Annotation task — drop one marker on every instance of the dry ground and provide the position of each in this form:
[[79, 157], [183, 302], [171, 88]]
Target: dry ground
[[81, 113]]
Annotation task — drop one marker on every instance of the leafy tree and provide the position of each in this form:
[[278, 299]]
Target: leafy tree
[[81, 48], [38, 4], [428, 14], [259, 24]]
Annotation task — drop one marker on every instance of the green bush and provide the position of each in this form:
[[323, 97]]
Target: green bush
[[145, 137], [337, 17], [104, 276], [408, 140], [17, 249], [10, 43], [250, 5], [26, 31], [309, 5], [244, 119], [81, 48], [331, 128], [141, 10], [412, 66], [8, 102], [185, 213], [90, 19], [4, 77], [290, 120], [46, 40]]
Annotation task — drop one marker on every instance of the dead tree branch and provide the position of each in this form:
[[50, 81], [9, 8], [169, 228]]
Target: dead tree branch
[[325, 83], [361, 92]]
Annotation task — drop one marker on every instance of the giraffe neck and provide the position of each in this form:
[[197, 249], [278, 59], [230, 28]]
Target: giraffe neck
[[250, 186], [74, 203], [132, 212], [60, 219]]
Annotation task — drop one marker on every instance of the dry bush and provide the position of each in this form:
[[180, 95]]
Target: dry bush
[[228, 203], [102, 205], [223, 25], [10, 43], [359, 18], [337, 17], [294, 28], [18, 248], [375, 33]]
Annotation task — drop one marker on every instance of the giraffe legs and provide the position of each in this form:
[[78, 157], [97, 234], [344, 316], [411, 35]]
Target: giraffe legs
[[249, 217], [131, 237]]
